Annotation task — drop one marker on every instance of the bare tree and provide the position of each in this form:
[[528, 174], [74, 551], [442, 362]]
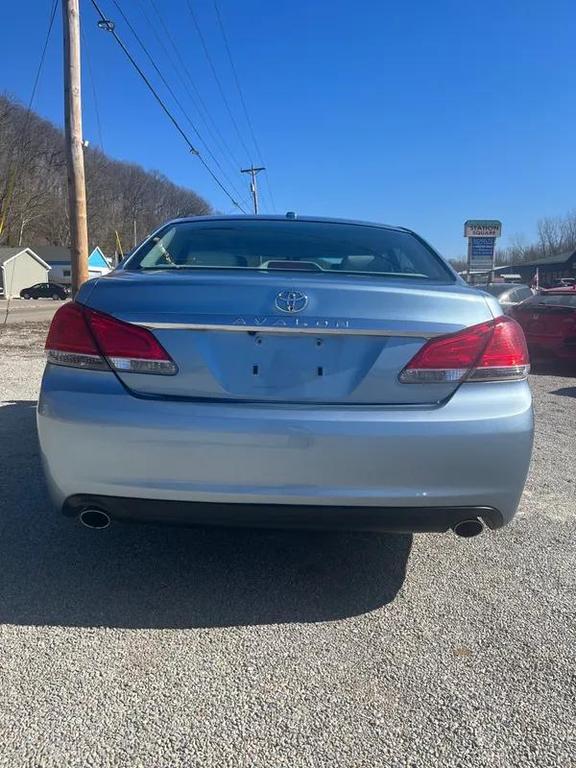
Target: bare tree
[[122, 197]]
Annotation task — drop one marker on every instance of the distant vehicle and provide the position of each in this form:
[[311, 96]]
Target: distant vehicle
[[509, 295], [549, 323], [565, 282], [274, 371], [45, 291]]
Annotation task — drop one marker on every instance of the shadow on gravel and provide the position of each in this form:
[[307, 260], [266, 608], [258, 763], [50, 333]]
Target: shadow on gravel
[[54, 572], [565, 391], [553, 368]]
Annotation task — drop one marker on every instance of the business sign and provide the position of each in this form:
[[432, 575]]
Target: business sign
[[481, 253], [482, 234], [482, 228]]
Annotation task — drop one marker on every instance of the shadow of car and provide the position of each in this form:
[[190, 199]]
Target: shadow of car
[[150, 576]]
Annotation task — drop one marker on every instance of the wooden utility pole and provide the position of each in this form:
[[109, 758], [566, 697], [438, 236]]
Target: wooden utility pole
[[74, 147], [253, 187]]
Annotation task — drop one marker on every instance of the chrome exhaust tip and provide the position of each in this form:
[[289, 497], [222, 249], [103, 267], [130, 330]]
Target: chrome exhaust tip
[[93, 518], [466, 529]]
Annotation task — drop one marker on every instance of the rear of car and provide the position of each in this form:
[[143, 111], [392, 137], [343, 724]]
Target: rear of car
[[267, 371], [509, 295], [549, 323]]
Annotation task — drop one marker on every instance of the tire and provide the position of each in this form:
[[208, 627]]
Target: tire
[[26, 296], [56, 296]]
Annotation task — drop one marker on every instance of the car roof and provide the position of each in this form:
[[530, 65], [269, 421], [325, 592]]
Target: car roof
[[315, 219]]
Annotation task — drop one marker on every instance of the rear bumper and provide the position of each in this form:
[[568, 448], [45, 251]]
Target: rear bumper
[[546, 348], [386, 468], [313, 517]]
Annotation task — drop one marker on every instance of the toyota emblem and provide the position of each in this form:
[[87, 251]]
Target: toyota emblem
[[291, 301]]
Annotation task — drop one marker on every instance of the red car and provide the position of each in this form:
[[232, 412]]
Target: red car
[[549, 323]]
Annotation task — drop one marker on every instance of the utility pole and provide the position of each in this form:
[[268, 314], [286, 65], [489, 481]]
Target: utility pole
[[74, 146], [253, 187]]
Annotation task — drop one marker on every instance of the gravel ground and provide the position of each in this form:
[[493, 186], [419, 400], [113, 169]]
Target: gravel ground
[[159, 647]]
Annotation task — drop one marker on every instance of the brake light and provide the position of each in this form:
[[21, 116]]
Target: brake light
[[84, 338], [492, 351]]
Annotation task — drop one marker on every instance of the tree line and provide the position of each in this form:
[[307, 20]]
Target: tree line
[[33, 189]]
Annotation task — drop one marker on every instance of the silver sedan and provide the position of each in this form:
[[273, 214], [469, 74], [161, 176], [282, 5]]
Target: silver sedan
[[280, 371]]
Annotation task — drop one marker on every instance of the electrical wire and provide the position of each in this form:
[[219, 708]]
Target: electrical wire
[[109, 27], [23, 136], [243, 101], [11, 177], [174, 96], [192, 88], [217, 79], [92, 88], [42, 58]]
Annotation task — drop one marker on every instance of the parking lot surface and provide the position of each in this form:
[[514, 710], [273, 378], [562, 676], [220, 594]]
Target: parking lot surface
[[155, 647], [17, 311]]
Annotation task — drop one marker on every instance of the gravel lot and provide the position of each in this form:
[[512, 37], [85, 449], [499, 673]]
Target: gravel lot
[[159, 647]]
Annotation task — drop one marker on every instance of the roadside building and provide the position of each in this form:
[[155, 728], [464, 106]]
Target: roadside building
[[59, 258], [20, 268], [98, 264], [550, 270]]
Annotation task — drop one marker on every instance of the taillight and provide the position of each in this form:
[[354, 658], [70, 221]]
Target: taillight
[[84, 338], [492, 351]]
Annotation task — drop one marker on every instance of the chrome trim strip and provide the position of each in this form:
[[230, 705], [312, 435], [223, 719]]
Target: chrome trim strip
[[301, 329]]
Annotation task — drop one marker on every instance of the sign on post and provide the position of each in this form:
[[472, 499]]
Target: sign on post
[[482, 234]]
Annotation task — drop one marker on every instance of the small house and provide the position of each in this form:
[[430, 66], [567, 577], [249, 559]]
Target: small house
[[59, 258], [20, 268]]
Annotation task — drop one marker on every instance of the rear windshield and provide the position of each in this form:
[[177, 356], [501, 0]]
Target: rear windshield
[[328, 248], [555, 300], [496, 290]]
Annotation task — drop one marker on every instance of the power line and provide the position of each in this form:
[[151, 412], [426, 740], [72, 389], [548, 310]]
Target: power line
[[11, 180], [11, 176], [189, 87], [192, 84], [107, 25], [92, 88], [216, 78], [174, 96], [242, 99], [42, 57]]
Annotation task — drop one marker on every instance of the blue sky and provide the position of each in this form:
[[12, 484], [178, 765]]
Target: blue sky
[[416, 113]]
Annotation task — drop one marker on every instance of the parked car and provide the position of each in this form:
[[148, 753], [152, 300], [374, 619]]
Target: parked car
[[280, 372], [45, 291], [565, 282], [549, 323], [509, 295]]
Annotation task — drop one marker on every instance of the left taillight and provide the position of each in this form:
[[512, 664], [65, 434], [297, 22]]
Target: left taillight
[[80, 337]]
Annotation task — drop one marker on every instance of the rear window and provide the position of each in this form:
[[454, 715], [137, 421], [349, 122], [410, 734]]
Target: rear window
[[329, 248], [556, 300], [496, 290]]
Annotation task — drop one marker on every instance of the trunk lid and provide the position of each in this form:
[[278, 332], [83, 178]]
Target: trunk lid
[[231, 339]]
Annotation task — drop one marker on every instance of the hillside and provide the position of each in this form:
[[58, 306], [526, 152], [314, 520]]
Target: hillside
[[33, 191]]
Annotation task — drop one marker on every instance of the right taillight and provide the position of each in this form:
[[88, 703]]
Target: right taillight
[[492, 351], [80, 337]]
